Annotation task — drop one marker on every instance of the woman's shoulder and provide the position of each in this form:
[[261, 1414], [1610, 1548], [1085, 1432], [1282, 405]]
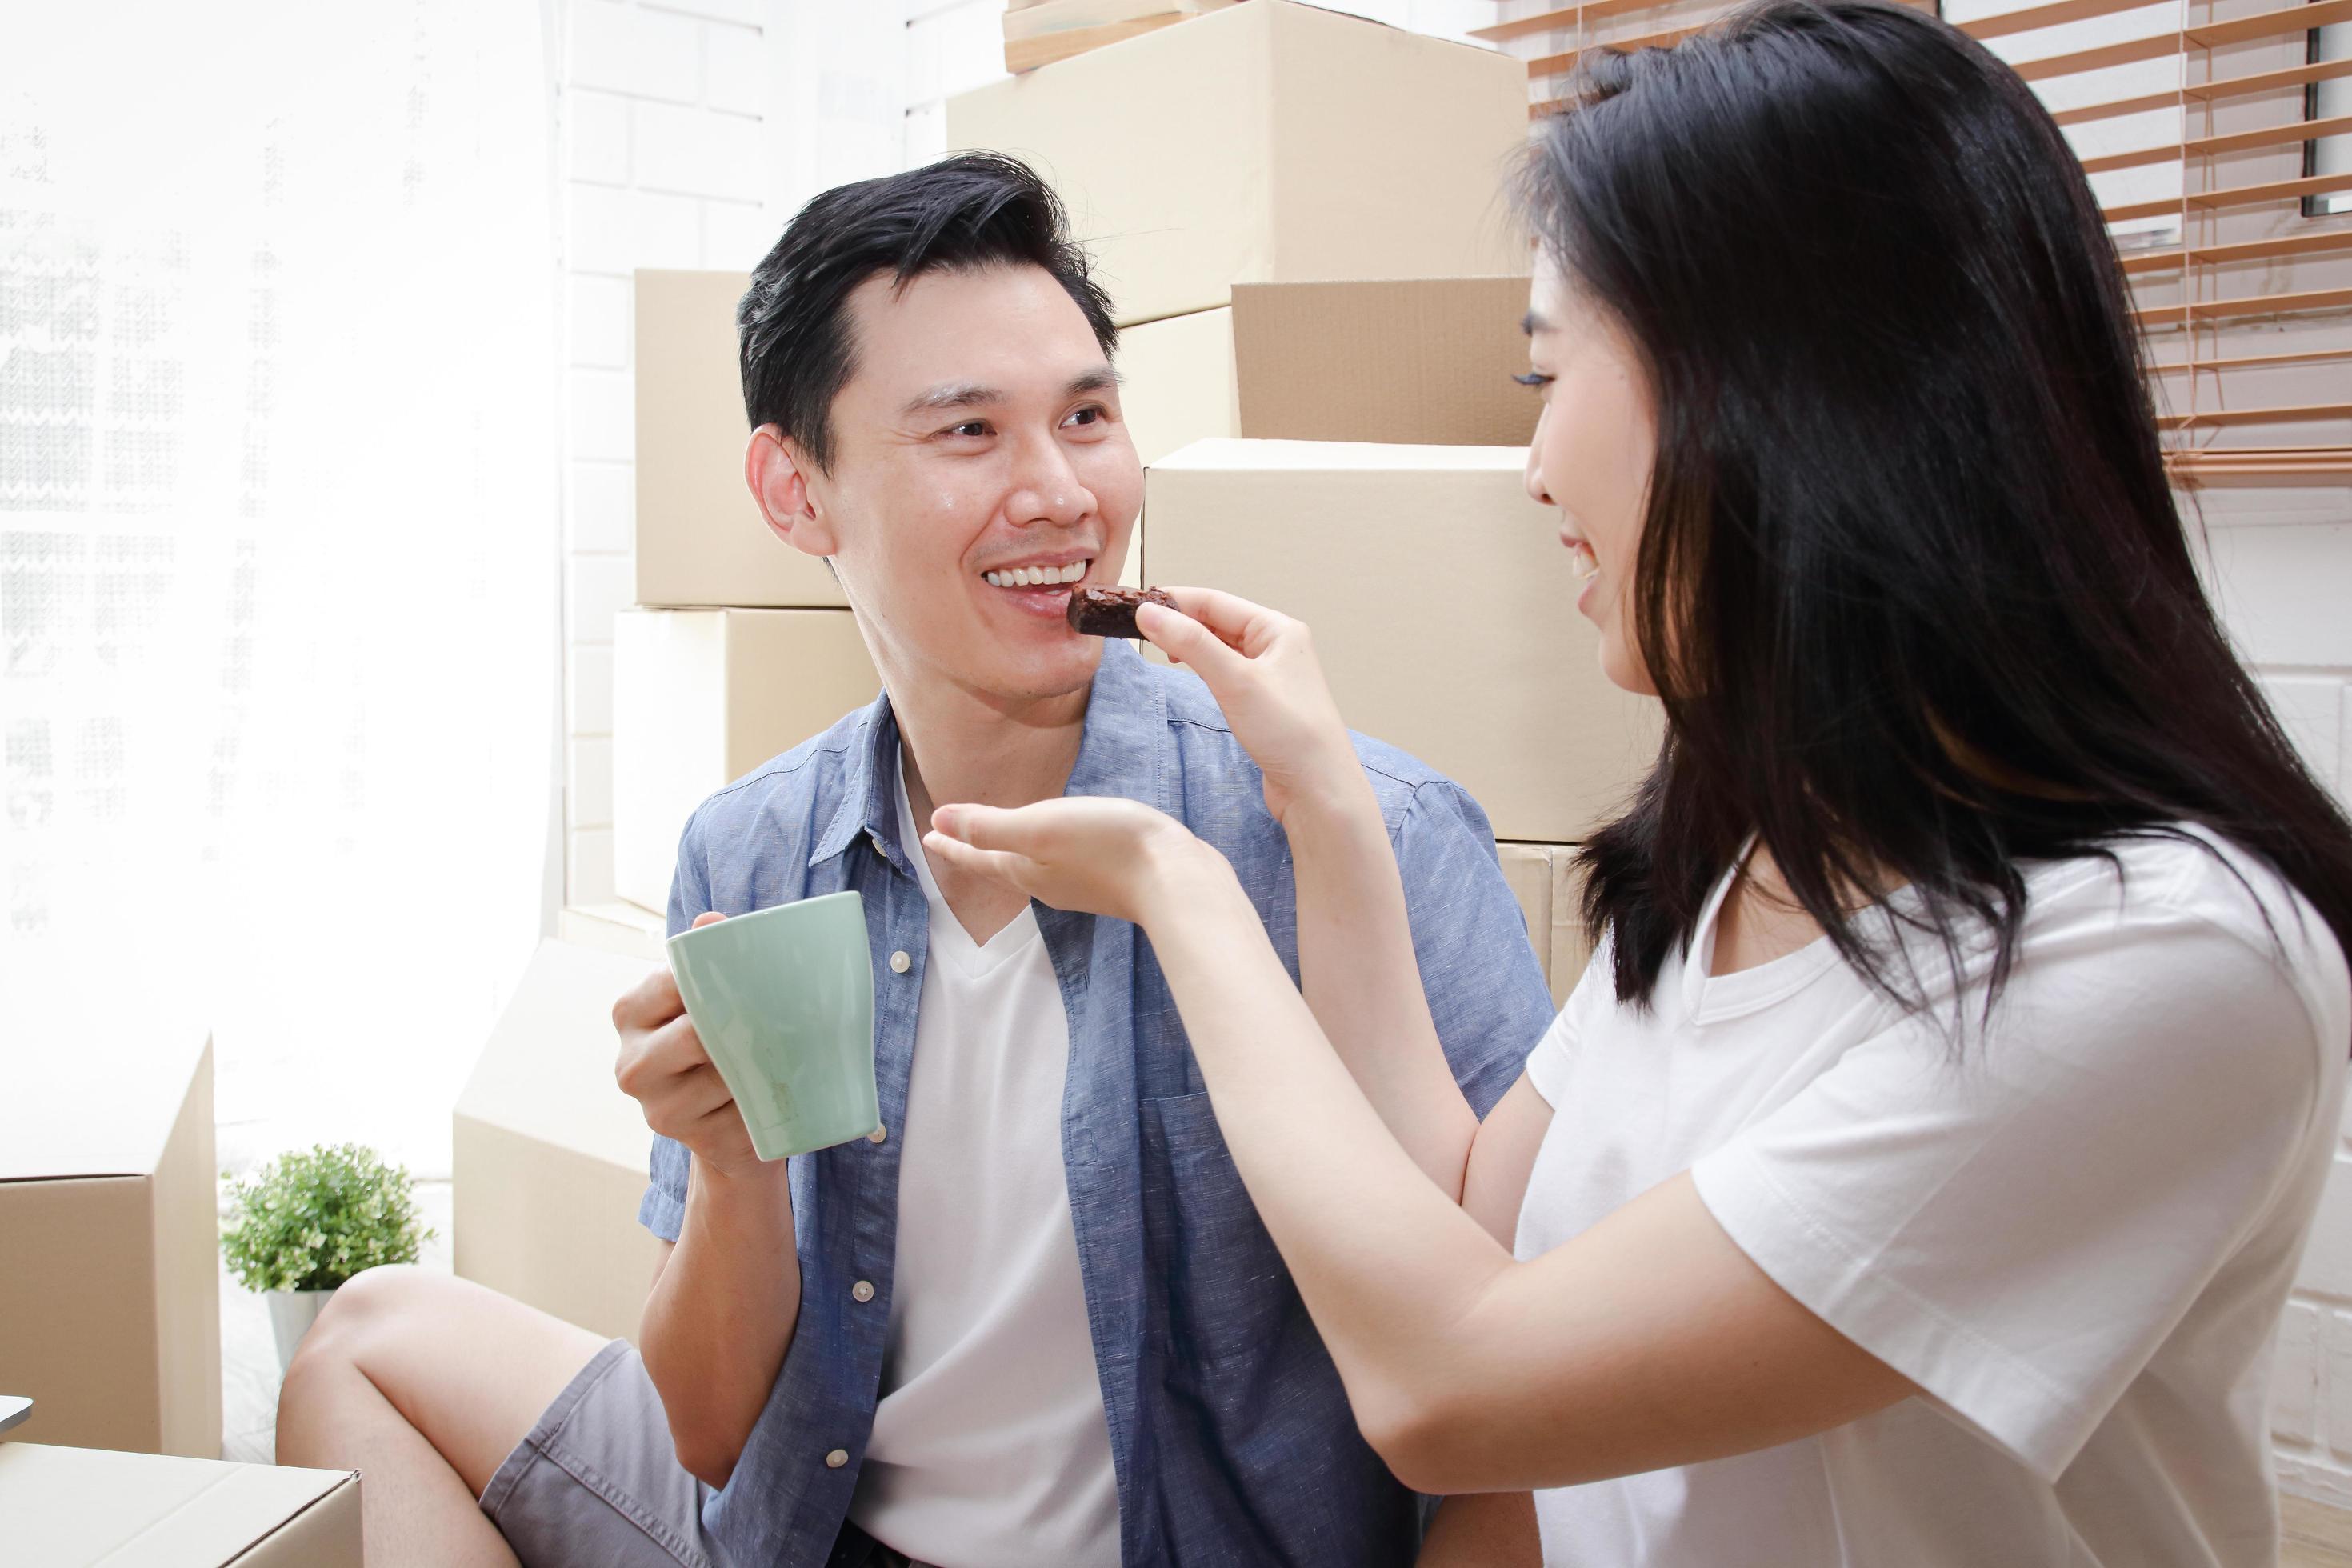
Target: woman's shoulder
[[2186, 905]]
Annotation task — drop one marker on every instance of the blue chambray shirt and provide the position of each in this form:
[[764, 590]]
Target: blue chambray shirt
[[1229, 1433]]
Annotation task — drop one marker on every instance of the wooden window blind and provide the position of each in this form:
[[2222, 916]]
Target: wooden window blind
[[2197, 121]]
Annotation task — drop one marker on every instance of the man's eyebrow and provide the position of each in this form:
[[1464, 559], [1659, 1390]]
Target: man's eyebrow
[[1532, 323], [953, 394], [1101, 378]]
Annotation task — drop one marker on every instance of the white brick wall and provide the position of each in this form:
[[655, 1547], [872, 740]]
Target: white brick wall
[[690, 131]]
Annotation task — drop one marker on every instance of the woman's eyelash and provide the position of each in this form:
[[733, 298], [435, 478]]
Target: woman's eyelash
[[1532, 379]]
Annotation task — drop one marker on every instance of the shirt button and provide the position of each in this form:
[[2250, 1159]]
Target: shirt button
[[837, 1459], [862, 1290], [901, 963], [877, 1135]]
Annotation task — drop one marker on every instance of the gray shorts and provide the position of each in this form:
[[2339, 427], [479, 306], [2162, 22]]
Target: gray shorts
[[596, 1483]]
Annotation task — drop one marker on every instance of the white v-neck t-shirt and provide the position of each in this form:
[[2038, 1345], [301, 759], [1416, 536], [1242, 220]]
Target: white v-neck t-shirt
[[2075, 1231], [990, 1447]]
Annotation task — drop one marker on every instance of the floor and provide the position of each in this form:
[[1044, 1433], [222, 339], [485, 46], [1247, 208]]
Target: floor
[[249, 1370], [2317, 1536]]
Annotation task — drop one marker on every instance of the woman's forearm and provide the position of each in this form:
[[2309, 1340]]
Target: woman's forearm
[[1358, 971], [1385, 1261], [721, 1316]]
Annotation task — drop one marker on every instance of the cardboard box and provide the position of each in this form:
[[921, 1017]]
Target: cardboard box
[[1544, 878], [700, 539], [618, 927], [1425, 361], [1039, 34], [1176, 383], [702, 697], [1442, 608], [549, 1156], [1267, 142], [63, 1507], [110, 1239]]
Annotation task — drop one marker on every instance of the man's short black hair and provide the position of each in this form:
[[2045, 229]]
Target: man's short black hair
[[973, 210]]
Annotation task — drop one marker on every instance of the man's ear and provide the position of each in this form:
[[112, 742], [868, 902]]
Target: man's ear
[[778, 472]]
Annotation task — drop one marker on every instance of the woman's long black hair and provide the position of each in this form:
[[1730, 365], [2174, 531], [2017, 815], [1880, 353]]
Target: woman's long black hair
[[1911, 584]]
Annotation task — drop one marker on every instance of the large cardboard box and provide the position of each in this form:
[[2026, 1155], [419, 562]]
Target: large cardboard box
[[701, 698], [1442, 603], [1038, 34], [700, 539], [110, 1258], [1176, 383], [1544, 878], [548, 1155], [63, 1507], [1421, 359], [619, 927], [1266, 141]]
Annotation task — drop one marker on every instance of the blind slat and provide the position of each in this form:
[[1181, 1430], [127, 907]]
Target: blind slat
[[2237, 197], [2284, 22], [2050, 16], [2214, 146], [2321, 244], [2246, 305], [2209, 92], [1564, 62], [2291, 414]]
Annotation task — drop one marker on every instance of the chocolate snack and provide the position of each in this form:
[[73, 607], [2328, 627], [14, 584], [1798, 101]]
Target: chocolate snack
[[1110, 612]]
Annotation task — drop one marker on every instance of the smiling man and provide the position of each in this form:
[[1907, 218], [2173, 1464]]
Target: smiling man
[[1033, 1319]]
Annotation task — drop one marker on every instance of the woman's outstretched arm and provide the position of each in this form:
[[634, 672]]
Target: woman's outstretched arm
[[1651, 1340]]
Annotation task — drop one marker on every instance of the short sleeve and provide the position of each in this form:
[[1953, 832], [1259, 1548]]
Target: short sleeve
[[2017, 1220], [663, 1208], [1550, 1063], [1486, 989]]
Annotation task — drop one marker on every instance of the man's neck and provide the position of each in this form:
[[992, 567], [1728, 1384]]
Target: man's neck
[[957, 746]]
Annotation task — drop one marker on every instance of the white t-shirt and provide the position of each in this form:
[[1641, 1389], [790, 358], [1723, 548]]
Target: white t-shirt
[[990, 1445], [2075, 1232]]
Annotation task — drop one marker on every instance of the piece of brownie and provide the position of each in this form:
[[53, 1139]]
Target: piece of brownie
[[1110, 612]]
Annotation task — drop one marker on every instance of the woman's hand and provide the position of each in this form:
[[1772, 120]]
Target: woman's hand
[[1097, 855], [1260, 666]]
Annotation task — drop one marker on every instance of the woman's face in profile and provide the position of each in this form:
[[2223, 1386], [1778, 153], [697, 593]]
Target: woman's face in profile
[[1590, 457]]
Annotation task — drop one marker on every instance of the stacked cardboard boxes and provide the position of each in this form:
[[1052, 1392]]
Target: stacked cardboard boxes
[[68, 1506], [1319, 294]]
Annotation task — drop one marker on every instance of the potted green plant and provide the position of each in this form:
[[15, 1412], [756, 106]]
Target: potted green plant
[[306, 1222]]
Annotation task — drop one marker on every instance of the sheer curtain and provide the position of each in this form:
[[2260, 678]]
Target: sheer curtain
[[279, 541]]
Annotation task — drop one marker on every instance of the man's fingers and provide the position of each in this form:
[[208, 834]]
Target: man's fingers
[[705, 918]]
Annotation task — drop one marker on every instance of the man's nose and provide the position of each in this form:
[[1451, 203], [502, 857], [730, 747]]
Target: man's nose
[[1048, 490]]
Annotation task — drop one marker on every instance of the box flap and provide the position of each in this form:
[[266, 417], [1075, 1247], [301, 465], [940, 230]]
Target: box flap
[[547, 1071], [96, 1096], [146, 1511]]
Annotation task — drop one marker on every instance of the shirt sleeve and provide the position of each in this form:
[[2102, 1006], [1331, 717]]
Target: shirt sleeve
[[663, 1208], [1486, 989], [2016, 1218], [1550, 1063]]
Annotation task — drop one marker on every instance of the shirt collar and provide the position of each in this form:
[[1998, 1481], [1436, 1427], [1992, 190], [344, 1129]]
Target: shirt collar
[[1119, 754]]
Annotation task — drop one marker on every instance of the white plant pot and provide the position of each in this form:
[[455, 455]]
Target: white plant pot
[[291, 1313]]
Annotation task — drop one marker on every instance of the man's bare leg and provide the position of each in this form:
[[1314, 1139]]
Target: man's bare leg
[[423, 1383]]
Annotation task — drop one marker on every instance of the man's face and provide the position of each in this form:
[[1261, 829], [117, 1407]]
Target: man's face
[[978, 446]]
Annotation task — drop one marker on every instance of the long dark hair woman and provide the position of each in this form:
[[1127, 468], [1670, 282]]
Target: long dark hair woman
[[1919, 1171]]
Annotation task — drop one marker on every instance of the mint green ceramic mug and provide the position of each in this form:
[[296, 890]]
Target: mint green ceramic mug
[[784, 999]]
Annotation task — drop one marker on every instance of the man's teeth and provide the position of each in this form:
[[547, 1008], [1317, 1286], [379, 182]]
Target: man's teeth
[[1036, 576]]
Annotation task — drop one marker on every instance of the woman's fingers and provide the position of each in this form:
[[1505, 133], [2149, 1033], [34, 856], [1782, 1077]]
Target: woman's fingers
[[1001, 865], [1187, 641], [1237, 622]]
